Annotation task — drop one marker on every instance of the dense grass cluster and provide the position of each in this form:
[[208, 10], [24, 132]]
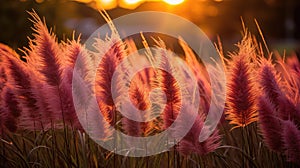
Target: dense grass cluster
[[40, 128]]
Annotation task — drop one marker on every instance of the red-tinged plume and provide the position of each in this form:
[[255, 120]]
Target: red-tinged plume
[[270, 125], [111, 52], [190, 143], [241, 93], [269, 82], [291, 139], [11, 111]]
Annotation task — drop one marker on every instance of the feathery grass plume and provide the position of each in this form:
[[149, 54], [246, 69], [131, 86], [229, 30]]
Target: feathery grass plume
[[169, 85], [75, 55], [190, 143], [201, 75], [87, 109], [287, 109], [291, 139], [131, 127], [12, 110], [138, 98], [70, 50], [111, 51], [269, 124], [46, 56], [140, 88], [241, 90], [289, 97], [269, 81], [44, 52], [24, 79], [4, 50]]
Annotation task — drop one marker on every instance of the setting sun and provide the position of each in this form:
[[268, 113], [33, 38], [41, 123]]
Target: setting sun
[[174, 2]]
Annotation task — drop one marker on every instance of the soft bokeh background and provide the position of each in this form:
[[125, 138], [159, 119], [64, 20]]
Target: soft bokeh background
[[279, 19]]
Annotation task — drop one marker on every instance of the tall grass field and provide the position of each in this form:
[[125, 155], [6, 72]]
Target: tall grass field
[[39, 126]]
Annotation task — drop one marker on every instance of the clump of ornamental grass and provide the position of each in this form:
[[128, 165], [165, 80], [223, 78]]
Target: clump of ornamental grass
[[278, 108], [241, 88], [37, 95], [37, 112]]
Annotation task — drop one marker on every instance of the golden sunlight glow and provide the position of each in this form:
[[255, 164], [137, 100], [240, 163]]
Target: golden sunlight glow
[[130, 4], [173, 2], [131, 1], [106, 4]]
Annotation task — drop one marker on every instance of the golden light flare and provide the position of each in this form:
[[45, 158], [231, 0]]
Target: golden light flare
[[130, 4], [173, 2], [132, 1], [106, 4]]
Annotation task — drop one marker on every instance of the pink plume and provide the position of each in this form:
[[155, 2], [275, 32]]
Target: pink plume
[[288, 110], [270, 125], [190, 143], [269, 82], [241, 95], [114, 53], [12, 110], [291, 139]]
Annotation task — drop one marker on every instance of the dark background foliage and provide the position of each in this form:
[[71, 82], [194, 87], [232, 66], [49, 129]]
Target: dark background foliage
[[279, 19]]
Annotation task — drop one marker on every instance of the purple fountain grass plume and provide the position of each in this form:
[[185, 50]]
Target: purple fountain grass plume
[[241, 93], [71, 49], [269, 124], [288, 95], [139, 92], [99, 127], [76, 55], [139, 96], [29, 86], [44, 52], [23, 78], [169, 86], [190, 143], [269, 81], [287, 109], [87, 109], [44, 56], [12, 110], [47, 57], [291, 139], [132, 127], [4, 51], [111, 52]]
